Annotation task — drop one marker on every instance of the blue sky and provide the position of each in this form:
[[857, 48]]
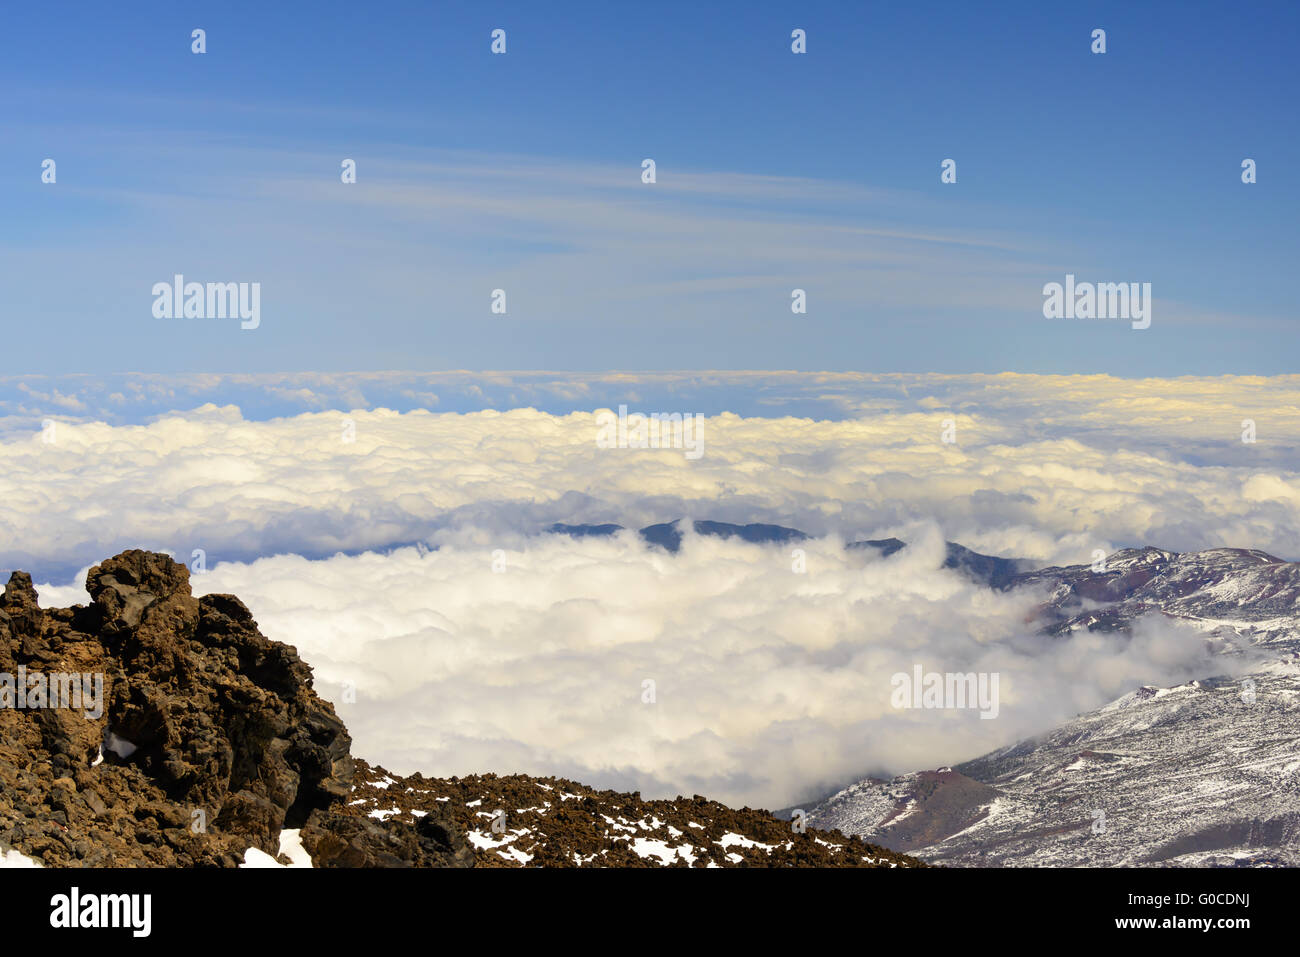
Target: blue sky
[[775, 171]]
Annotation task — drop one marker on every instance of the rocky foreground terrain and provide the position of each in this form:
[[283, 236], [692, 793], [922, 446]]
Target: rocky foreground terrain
[[212, 749], [519, 821]]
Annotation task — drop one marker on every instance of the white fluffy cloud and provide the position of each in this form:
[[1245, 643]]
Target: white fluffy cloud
[[1042, 468], [770, 685]]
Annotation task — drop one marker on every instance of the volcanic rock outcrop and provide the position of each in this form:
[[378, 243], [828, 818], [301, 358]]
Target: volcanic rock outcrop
[[208, 739]]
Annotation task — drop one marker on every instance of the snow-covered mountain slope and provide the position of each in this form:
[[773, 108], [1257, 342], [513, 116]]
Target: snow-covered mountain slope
[[1207, 773], [1233, 593]]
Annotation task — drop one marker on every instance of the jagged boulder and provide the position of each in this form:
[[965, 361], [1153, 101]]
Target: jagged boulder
[[216, 739], [337, 839]]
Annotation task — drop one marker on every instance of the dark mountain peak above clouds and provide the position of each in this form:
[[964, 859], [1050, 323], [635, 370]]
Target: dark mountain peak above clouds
[[886, 546], [986, 569], [205, 740], [669, 534], [584, 531]]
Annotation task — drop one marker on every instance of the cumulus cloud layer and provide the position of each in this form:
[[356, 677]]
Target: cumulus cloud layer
[[1158, 414], [770, 685], [1041, 468]]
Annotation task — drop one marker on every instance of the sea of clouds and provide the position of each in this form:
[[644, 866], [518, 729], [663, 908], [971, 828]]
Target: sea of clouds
[[402, 553], [770, 685], [1042, 468]]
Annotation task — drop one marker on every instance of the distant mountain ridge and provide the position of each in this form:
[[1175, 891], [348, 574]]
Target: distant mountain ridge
[[1135, 581], [985, 569]]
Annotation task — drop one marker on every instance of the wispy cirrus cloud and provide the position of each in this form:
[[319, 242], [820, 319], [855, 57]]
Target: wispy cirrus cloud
[[600, 270]]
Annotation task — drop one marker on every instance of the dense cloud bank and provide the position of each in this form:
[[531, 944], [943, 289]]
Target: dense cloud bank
[[1042, 468], [1159, 413], [770, 684]]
